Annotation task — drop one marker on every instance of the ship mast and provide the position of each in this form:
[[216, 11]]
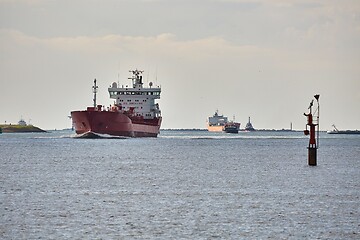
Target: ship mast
[[94, 91], [136, 78]]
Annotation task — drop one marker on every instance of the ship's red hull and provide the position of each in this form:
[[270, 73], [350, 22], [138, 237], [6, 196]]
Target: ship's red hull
[[114, 123]]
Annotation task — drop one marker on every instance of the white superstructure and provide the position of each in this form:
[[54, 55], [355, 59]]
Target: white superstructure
[[136, 100], [217, 120]]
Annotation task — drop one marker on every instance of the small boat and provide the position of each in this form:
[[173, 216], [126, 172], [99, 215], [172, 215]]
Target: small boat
[[249, 127], [337, 131]]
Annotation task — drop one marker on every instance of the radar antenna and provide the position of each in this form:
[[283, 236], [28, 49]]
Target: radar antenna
[[136, 78], [135, 73]]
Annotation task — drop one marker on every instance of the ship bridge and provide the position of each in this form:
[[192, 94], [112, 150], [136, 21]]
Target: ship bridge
[[138, 99], [217, 120]]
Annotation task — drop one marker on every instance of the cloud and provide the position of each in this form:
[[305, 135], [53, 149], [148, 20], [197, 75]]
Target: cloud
[[27, 2], [163, 44]]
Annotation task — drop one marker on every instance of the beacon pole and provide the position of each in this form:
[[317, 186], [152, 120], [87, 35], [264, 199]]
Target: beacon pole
[[312, 122]]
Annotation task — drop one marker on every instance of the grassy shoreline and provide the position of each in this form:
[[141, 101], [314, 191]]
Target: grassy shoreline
[[19, 128]]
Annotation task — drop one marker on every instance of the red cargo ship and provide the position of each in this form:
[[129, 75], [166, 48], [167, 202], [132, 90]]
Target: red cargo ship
[[133, 114]]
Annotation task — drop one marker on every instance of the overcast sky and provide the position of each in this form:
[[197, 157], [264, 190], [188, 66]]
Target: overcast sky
[[260, 58]]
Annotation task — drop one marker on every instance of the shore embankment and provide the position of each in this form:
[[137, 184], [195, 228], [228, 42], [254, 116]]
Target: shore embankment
[[19, 128]]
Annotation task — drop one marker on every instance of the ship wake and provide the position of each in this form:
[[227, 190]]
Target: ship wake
[[92, 135]]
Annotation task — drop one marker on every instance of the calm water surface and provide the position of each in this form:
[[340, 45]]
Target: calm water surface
[[181, 185]]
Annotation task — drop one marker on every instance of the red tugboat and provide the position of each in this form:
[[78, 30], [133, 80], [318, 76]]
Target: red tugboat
[[232, 126], [133, 114]]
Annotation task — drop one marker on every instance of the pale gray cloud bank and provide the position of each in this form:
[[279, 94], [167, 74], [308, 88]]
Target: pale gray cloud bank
[[263, 59]]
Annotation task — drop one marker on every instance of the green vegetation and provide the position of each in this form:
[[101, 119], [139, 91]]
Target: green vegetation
[[19, 128]]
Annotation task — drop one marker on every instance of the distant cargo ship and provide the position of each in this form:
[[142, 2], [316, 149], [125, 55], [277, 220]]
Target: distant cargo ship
[[134, 113], [220, 123], [217, 122], [337, 131]]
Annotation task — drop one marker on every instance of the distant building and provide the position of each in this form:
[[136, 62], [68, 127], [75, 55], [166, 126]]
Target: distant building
[[22, 122]]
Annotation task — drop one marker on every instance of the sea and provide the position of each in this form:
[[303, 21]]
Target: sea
[[181, 185]]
